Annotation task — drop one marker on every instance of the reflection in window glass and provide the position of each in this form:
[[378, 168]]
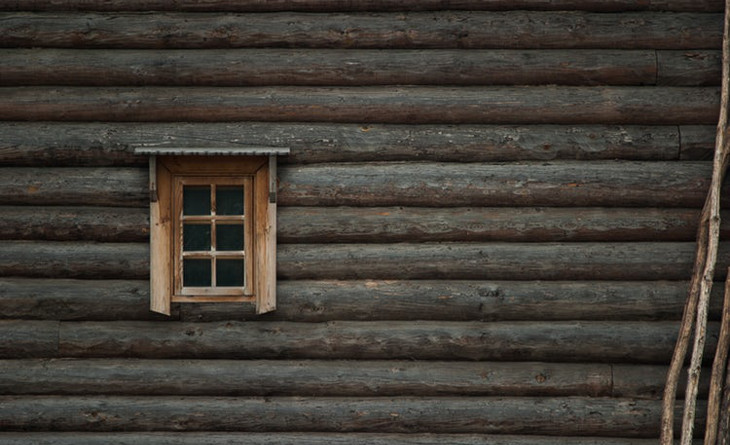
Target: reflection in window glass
[[196, 237], [229, 273], [229, 200], [196, 200], [196, 273], [229, 236]]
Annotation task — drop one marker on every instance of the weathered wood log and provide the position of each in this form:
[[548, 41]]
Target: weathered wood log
[[329, 378], [494, 415], [125, 187], [88, 144], [318, 301], [77, 300], [214, 438], [395, 105], [689, 68], [105, 224], [74, 260], [377, 224], [628, 184], [444, 29], [605, 184], [362, 5], [414, 224], [451, 261], [262, 67], [646, 381], [615, 342], [697, 142], [303, 378], [497, 261], [27, 338]]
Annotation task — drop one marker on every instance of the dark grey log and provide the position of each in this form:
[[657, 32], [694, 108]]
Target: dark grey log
[[689, 68], [58, 144], [395, 105], [414, 224], [628, 184], [445, 29], [378, 224], [105, 224], [211, 438], [127, 187], [77, 300], [26, 338], [317, 301], [262, 67], [497, 415], [646, 381], [615, 342], [450, 261], [603, 184], [302, 378], [697, 142], [494, 261], [361, 5], [74, 260], [331, 378]]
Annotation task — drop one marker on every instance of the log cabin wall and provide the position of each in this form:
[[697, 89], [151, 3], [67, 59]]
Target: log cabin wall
[[486, 222]]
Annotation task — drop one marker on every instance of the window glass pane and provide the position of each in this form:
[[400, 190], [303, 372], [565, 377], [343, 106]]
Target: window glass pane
[[229, 273], [229, 200], [196, 200], [196, 273], [229, 236], [196, 237]]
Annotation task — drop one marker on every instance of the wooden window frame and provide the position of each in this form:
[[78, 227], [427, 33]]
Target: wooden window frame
[[171, 173]]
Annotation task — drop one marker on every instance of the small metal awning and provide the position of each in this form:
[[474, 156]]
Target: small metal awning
[[216, 149], [213, 150]]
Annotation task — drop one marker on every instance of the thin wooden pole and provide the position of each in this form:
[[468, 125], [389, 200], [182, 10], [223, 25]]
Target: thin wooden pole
[[702, 278], [718, 372]]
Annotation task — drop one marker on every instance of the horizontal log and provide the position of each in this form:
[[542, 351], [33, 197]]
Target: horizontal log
[[378, 224], [88, 144], [395, 105], [331, 378], [648, 381], [585, 341], [262, 67], [30, 298], [302, 378], [214, 438], [697, 142], [27, 338], [104, 224], [655, 184], [126, 187], [444, 29], [318, 301], [493, 261], [419, 224], [369, 5], [450, 261], [688, 68], [557, 184], [497, 415], [74, 260]]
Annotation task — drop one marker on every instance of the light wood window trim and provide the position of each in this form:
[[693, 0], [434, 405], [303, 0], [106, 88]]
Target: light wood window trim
[[259, 234]]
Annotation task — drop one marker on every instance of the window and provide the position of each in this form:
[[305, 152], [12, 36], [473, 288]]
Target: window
[[212, 229]]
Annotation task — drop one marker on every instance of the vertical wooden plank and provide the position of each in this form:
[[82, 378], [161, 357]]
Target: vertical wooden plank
[[160, 248], [265, 241]]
